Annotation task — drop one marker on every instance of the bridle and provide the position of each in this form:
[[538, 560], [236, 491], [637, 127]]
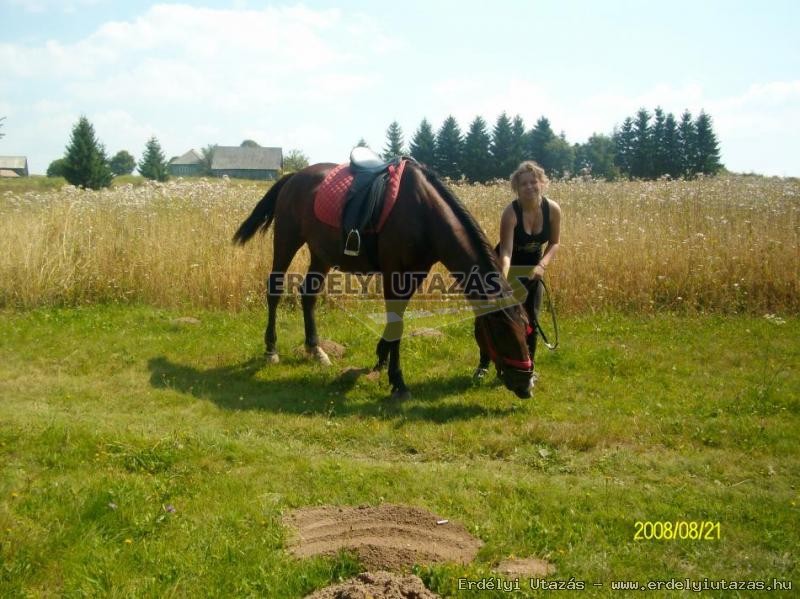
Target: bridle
[[521, 365]]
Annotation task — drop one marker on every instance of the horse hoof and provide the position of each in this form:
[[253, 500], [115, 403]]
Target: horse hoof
[[401, 395], [318, 354], [272, 357]]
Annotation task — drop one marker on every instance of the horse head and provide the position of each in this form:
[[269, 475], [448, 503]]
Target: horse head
[[502, 334]]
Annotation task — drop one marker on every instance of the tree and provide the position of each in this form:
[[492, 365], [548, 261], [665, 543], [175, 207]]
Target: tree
[[671, 151], [423, 144], [249, 143], [687, 144], [2, 135], [56, 168], [122, 163], [153, 164], [449, 149], [517, 141], [642, 163], [207, 159], [362, 143], [560, 155], [502, 148], [394, 141], [538, 138], [294, 161], [660, 157], [624, 139], [477, 167], [597, 155], [86, 164], [707, 147]]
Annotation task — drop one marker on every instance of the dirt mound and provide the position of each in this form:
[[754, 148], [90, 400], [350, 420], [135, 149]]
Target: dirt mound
[[386, 537], [530, 566], [377, 585]]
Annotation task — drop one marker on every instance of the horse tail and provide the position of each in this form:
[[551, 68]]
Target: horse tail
[[263, 214]]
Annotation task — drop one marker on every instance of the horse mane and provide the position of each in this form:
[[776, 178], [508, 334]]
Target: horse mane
[[486, 253]]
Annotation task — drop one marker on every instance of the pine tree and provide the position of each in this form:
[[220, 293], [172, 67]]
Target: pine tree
[[624, 147], [538, 138], [673, 161], [477, 160], [423, 144], [449, 149], [660, 158], [642, 164], [86, 164], [687, 144], [517, 141], [394, 141], [153, 164], [502, 148], [122, 163], [707, 147]]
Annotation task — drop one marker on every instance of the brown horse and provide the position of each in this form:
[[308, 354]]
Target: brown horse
[[428, 224]]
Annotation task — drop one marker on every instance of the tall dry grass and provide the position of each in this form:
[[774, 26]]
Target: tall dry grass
[[727, 244]]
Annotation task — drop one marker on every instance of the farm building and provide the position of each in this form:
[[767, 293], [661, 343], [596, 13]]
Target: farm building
[[13, 166], [233, 161]]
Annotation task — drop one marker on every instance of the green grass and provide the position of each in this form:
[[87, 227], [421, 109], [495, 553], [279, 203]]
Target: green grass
[[139, 457]]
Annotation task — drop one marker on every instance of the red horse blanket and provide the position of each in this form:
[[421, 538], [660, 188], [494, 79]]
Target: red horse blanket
[[329, 201]]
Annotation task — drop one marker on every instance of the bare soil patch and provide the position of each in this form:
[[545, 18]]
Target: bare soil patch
[[530, 566], [377, 585], [386, 537]]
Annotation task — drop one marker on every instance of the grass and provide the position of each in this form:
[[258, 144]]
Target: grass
[[723, 245], [142, 457]]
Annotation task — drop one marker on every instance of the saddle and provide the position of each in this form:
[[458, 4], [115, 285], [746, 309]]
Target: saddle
[[363, 204]]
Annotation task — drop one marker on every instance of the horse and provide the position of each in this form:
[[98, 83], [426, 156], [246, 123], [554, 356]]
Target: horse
[[428, 224]]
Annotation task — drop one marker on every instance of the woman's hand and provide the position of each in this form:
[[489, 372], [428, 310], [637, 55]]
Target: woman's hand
[[537, 272]]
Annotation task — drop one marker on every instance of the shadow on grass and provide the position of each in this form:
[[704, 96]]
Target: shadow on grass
[[237, 387]]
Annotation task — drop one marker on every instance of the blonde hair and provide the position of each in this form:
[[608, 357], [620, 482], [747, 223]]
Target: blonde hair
[[528, 166]]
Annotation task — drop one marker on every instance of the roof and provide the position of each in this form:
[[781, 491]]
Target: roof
[[190, 157], [235, 157], [12, 162]]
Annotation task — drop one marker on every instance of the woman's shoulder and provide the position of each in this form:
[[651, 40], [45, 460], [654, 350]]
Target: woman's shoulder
[[553, 205]]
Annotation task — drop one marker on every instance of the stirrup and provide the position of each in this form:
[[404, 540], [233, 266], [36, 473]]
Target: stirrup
[[352, 247]]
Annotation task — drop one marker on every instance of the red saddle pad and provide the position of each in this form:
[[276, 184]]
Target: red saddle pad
[[329, 201]]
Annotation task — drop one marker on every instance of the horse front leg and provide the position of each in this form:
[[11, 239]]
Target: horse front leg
[[312, 285], [396, 303]]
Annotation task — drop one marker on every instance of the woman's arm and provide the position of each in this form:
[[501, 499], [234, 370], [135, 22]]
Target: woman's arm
[[507, 223], [552, 243]]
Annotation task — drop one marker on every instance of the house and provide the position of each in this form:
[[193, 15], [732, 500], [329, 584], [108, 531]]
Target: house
[[13, 166], [233, 161]]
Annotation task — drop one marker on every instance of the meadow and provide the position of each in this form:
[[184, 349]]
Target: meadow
[[146, 455], [721, 245]]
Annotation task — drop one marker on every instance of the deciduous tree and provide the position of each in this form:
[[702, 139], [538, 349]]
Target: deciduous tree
[[122, 163], [294, 161]]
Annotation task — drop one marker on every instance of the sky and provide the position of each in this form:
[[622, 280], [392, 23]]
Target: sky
[[318, 76]]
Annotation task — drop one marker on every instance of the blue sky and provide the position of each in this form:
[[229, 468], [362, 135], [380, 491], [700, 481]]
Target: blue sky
[[320, 75]]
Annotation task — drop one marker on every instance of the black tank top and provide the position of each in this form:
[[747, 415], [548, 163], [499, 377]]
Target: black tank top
[[528, 248]]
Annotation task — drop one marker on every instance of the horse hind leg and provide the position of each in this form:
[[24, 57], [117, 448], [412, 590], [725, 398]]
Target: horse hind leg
[[312, 285], [285, 245]]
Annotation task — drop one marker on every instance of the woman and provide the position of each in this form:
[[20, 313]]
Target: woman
[[530, 228]]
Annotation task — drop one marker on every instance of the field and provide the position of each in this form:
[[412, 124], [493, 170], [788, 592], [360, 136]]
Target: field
[[145, 455]]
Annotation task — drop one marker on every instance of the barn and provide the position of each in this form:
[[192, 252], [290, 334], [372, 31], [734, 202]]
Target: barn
[[13, 166], [233, 161]]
